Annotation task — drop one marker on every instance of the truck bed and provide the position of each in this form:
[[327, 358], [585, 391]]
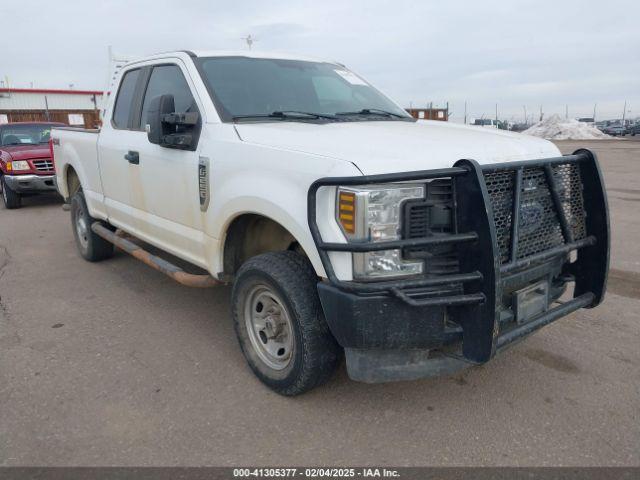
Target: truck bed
[[77, 149]]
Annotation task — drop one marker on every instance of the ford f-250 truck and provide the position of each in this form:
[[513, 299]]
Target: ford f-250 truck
[[26, 164], [416, 248]]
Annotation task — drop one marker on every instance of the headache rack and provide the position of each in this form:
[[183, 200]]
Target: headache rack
[[507, 218]]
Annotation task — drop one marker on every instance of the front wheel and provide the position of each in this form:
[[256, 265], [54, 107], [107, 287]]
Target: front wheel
[[91, 246], [280, 324], [10, 198]]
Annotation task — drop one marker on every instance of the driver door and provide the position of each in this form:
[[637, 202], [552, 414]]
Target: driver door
[[164, 186]]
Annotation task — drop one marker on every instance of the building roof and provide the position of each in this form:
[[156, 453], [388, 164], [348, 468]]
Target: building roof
[[51, 91]]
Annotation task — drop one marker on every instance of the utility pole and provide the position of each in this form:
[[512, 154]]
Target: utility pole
[[594, 112], [465, 112], [624, 112], [525, 114], [46, 106], [541, 114], [496, 115]]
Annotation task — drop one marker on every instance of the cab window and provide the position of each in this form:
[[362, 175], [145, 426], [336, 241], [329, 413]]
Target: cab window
[[124, 100], [168, 80]]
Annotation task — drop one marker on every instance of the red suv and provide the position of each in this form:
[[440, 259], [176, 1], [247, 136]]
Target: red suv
[[26, 162]]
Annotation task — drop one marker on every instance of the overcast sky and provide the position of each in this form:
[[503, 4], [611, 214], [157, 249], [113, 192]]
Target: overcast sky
[[513, 53]]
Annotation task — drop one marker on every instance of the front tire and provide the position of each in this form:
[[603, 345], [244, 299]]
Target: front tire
[[92, 247], [280, 324], [10, 198]]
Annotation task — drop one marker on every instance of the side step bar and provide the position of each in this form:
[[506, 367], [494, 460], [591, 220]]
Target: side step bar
[[169, 269]]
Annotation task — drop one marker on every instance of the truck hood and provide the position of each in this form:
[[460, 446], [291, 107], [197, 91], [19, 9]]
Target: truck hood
[[392, 146], [27, 152]]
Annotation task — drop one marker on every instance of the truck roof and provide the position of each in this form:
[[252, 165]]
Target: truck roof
[[232, 53]]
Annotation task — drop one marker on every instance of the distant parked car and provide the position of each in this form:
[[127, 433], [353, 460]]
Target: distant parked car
[[633, 130], [26, 163], [614, 130], [486, 122]]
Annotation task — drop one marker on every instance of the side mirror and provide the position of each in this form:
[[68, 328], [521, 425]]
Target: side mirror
[[159, 106], [169, 129]]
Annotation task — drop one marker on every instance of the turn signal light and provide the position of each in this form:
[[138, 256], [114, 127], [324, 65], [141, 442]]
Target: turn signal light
[[347, 211]]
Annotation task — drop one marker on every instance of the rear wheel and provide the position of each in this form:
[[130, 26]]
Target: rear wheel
[[10, 198], [91, 246], [280, 324]]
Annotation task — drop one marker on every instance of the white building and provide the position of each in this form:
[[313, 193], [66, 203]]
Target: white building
[[73, 107]]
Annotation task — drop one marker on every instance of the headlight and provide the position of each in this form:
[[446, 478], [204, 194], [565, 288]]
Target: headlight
[[18, 165], [372, 214]]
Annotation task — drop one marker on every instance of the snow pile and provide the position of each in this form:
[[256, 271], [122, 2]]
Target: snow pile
[[558, 128]]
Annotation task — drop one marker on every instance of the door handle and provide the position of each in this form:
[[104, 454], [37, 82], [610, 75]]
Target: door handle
[[132, 157]]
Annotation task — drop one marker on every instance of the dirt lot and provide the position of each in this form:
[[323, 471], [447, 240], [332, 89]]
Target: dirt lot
[[114, 364]]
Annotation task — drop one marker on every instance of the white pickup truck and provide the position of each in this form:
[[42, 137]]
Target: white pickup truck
[[413, 248]]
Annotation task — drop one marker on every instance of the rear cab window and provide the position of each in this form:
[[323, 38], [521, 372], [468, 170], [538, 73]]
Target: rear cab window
[[124, 99]]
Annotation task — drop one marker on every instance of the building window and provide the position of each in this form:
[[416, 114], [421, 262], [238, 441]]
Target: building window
[[76, 119]]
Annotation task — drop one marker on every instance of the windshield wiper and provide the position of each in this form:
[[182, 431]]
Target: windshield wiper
[[373, 111], [286, 115]]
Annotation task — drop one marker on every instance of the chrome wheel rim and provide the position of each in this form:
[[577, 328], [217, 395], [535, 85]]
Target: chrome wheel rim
[[82, 229], [269, 327]]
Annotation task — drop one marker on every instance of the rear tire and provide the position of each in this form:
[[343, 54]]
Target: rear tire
[[280, 324], [92, 247], [10, 198]]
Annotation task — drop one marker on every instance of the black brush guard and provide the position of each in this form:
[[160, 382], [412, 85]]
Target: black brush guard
[[476, 308]]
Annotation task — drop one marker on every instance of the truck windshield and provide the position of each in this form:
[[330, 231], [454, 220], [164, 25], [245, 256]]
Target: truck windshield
[[257, 89], [24, 134]]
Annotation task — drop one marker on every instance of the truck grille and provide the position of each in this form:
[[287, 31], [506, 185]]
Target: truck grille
[[539, 227], [44, 165], [427, 217]]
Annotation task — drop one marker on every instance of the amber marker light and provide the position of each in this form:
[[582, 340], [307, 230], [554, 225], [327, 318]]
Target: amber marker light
[[347, 211]]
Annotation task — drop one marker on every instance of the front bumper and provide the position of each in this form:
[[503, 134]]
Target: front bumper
[[31, 183], [435, 324]]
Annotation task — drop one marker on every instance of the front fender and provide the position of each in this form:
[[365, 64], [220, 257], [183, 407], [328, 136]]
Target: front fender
[[290, 221], [272, 183]]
